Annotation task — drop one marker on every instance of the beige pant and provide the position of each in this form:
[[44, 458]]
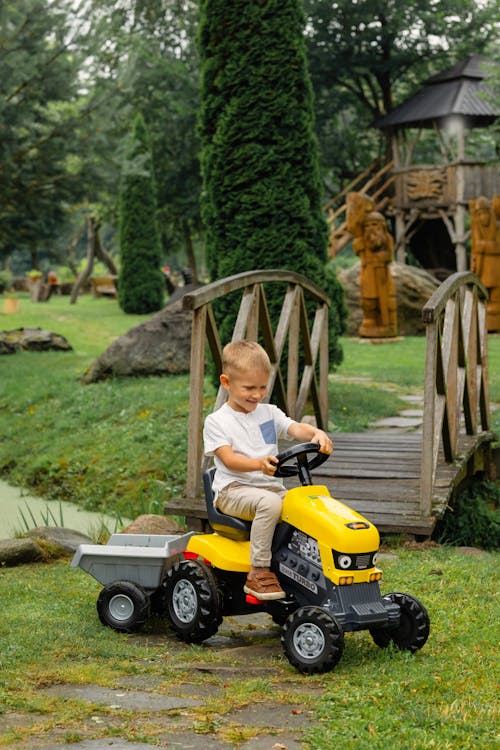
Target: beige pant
[[262, 506]]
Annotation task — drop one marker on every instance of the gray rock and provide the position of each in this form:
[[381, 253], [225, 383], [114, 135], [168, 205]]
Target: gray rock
[[414, 286], [68, 539], [32, 339], [150, 523], [160, 346], [19, 551]]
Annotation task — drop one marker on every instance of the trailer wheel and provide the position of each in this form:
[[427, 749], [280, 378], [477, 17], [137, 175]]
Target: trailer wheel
[[413, 629], [123, 606], [193, 601], [312, 640]]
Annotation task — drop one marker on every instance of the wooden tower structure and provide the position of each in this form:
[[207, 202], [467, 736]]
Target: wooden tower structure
[[451, 104]]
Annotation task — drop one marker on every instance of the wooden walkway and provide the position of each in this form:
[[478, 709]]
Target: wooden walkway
[[401, 481], [378, 475]]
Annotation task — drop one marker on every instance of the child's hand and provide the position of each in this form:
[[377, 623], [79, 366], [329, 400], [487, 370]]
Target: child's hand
[[268, 465], [325, 444]]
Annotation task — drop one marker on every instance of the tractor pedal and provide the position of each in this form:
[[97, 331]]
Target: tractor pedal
[[252, 599]]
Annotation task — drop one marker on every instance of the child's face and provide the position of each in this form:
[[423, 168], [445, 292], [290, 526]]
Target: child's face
[[245, 388]]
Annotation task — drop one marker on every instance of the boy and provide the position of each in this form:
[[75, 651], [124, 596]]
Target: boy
[[243, 438]]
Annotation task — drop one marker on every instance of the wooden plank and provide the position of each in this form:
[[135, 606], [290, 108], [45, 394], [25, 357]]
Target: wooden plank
[[216, 289], [197, 372]]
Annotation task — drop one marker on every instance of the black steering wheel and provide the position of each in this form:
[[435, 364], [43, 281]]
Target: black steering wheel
[[303, 466]]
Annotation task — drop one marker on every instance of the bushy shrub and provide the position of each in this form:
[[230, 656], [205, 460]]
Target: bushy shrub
[[5, 281], [474, 519], [261, 201], [141, 286]]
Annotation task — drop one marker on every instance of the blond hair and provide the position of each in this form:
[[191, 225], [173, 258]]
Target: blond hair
[[245, 355]]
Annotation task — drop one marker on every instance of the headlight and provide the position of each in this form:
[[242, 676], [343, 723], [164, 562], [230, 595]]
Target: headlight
[[344, 562]]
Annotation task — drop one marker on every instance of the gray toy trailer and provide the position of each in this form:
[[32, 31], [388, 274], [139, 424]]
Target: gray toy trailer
[[131, 568]]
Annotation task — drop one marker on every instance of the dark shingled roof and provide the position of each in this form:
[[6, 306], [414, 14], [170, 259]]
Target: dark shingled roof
[[456, 91]]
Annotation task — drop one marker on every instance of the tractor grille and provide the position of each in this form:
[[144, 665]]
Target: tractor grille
[[345, 561]]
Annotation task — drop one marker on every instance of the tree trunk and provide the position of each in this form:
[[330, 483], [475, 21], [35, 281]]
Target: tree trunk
[[71, 251], [103, 254], [190, 251], [87, 271]]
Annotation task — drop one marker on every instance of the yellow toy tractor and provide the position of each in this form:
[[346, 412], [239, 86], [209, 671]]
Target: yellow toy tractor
[[324, 555]]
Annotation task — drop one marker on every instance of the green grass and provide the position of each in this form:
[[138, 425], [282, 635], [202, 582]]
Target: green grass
[[90, 325], [442, 698], [119, 446], [400, 363]]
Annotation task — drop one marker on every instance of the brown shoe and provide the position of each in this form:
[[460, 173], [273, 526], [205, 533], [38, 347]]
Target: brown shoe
[[264, 586]]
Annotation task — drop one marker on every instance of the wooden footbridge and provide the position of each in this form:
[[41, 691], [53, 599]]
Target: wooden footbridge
[[403, 482]]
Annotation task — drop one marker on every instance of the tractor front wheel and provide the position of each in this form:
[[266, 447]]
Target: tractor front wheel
[[413, 629], [312, 640]]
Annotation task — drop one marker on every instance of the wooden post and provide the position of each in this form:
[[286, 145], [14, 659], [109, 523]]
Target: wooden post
[[195, 423], [293, 358], [323, 371]]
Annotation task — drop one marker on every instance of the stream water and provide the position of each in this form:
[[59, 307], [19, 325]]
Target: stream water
[[14, 501]]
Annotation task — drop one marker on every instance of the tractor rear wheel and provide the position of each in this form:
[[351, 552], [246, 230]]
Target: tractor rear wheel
[[193, 601]]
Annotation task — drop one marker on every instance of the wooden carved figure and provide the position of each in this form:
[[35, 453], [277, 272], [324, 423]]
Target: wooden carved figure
[[485, 252], [375, 247]]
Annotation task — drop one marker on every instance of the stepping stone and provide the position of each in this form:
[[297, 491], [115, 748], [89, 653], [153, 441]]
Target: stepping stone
[[398, 422], [270, 716], [184, 741], [106, 743], [418, 413], [128, 700], [273, 742], [412, 399]]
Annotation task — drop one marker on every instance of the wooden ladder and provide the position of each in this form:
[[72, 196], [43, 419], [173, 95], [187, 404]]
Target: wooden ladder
[[373, 182]]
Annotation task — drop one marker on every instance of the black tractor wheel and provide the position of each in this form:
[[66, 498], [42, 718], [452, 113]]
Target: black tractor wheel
[[123, 606], [413, 629], [312, 640], [193, 601], [279, 618]]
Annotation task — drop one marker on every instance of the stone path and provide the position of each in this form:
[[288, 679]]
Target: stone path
[[174, 712], [408, 420]]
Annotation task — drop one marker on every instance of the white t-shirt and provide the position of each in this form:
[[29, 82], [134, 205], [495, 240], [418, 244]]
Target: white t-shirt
[[254, 435]]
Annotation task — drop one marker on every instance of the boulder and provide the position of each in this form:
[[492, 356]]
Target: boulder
[[67, 539], [159, 346], [19, 551], [414, 286], [149, 523], [32, 339]]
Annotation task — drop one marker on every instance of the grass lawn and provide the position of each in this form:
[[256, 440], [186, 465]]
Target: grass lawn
[[119, 446], [442, 698]]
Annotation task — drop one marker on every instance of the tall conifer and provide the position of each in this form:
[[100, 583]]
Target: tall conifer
[[262, 192], [141, 285]]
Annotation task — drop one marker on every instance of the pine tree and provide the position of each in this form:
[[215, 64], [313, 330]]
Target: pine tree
[[141, 284], [262, 193]]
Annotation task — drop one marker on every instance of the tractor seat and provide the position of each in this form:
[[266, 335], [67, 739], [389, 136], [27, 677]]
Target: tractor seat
[[230, 526]]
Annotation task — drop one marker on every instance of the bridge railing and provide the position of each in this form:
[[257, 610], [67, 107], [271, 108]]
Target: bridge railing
[[253, 322], [456, 374]]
